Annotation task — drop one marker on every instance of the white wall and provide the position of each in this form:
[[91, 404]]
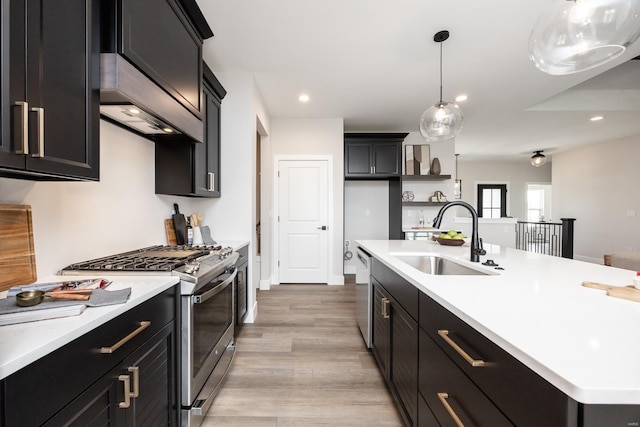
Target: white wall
[[516, 174], [317, 137], [78, 221], [366, 215], [598, 185]]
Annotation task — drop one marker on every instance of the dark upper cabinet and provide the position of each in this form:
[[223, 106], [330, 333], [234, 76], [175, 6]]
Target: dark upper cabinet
[[160, 38], [193, 169], [372, 155], [50, 89]]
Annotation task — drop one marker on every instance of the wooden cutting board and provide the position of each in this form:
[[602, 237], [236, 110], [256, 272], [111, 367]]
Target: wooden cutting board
[[170, 232], [625, 292], [17, 252]]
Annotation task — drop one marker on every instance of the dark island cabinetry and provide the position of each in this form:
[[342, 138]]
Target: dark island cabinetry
[[191, 168], [50, 90], [395, 338], [464, 378], [373, 155], [121, 373]]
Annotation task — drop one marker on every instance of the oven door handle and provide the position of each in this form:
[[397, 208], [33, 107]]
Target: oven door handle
[[197, 299]]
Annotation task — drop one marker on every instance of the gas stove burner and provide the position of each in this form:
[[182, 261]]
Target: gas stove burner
[[152, 259]]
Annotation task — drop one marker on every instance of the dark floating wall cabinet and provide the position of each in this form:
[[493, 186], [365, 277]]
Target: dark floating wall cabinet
[[49, 90], [193, 169], [151, 67], [373, 155]]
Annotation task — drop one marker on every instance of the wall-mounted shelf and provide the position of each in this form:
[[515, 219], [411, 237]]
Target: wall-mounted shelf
[[425, 177], [425, 203]]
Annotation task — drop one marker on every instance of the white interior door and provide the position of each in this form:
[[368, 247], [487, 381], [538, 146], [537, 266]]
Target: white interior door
[[303, 215]]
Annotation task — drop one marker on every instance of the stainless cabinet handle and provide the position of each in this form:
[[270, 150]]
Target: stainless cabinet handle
[[127, 394], [40, 129], [136, 380], [443, 399], [21, 128], [385, 304], [108, 350], [212, 181], [473, 362]]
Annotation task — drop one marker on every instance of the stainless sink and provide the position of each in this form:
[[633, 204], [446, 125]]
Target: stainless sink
[[436, 265]]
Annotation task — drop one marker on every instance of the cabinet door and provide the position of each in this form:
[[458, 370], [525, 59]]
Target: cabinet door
[[151, 31], [96, 406], [386, 159], [357, 160], [154, 383], [403, 369], [450, 394], [380, 328], [54, 75], [207, 158]]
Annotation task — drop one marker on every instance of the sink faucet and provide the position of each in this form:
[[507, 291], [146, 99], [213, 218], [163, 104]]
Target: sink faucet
[[476, 242]]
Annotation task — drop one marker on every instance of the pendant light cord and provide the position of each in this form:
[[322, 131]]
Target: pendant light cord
[[440, 73]]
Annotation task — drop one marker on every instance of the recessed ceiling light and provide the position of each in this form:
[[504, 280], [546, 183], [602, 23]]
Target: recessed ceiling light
[[461, 98], [596, 118], [303, 98], [134, 111]]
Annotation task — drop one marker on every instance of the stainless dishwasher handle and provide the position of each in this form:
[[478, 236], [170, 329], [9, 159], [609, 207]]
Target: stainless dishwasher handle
[[473, 362], [443, 399], [108, 350]]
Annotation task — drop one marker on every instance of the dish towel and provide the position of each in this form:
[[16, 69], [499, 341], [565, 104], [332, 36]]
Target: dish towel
[[97, 298]]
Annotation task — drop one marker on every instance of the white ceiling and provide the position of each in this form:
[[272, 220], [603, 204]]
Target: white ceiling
[[375, 64]]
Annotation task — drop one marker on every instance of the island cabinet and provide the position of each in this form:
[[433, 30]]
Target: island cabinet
[[193, 168], [121, 373], [373, 155], [395, 338], [50, 90], [481, 380]]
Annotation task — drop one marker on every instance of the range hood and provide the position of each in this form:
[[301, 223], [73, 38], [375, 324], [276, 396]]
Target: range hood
[[129, 98]]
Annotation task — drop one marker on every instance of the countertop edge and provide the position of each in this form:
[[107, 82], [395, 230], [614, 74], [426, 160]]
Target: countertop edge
[[68, 329]]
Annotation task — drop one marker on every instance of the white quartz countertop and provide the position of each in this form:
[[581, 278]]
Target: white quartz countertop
[[24, 343], [579, 339]]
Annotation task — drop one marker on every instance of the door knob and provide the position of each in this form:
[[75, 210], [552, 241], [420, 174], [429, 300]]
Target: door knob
[[324, 227]]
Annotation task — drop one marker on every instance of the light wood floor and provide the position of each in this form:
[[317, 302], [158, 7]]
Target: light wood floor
[[303, 363]]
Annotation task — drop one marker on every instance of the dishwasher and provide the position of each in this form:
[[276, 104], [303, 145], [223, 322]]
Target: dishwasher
[[364, 294]]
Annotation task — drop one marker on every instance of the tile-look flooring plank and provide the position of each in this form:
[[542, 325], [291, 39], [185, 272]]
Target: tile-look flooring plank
[[303, 363]]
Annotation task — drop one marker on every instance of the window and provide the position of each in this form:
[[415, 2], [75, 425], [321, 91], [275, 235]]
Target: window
[[492, 200]]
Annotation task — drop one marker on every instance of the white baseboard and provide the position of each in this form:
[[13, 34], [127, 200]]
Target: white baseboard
[[265, 285], [336, 280]]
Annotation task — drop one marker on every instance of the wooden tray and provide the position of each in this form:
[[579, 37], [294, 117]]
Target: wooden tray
[[17, 252]]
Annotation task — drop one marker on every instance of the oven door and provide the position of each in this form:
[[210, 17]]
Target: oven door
[[207, 331]]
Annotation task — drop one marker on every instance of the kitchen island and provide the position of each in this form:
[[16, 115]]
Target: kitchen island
[[577, 339]]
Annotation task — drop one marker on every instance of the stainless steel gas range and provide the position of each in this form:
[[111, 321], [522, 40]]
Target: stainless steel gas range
[[207, 343]]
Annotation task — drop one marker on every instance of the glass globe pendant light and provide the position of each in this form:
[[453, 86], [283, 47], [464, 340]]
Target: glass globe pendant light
[[577, 35], [442, 121], [538, 159]]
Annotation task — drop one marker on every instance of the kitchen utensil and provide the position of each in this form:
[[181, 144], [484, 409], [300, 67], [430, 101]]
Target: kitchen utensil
[[200, 218], [170, 232], [17, 252], [180, 226], [623, 292], [29, 298], [206, 235]]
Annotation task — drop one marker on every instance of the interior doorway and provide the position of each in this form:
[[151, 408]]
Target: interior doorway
[[538, 202], [303, 222]]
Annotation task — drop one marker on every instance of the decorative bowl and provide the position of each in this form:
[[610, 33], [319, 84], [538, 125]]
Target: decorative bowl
[[450, 242]]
